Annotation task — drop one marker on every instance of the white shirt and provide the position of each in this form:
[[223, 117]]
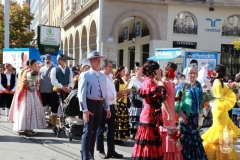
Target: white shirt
[[111, 90], [54, 80], [8, 82]]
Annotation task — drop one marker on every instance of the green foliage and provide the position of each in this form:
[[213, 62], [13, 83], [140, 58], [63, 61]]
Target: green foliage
[[20, 20]]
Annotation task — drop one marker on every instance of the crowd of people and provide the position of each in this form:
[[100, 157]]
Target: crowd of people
[[147, 105]]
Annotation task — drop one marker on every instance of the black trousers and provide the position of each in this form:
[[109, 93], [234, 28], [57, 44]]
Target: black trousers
[[46, 99], [56, 102], [6, 100], [90, 128], [110, 130]]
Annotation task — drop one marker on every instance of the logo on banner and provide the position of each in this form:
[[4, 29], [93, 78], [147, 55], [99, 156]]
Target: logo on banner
[[213, 25]]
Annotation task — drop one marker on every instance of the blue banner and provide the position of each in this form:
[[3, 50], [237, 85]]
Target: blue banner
[[200, 59], [137, 29], [166, 54], [125, 33]]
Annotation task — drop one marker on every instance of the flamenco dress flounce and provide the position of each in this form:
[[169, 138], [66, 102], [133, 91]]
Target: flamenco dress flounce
[[147, 141], [214, 138]]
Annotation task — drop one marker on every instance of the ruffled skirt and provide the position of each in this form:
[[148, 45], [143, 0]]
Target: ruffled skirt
[[29, 115], [192, 147], [147, 143], [219, 140]]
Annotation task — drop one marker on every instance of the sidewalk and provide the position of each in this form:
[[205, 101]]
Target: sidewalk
[[44, 146]]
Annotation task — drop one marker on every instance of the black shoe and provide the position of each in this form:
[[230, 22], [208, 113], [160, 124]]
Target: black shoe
[[119, 142], [114, 154], [102, 155]]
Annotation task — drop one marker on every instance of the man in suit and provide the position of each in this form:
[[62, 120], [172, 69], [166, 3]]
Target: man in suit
[[92, 95]]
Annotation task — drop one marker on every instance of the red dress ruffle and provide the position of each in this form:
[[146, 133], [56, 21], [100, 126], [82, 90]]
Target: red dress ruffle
[[148, 141]]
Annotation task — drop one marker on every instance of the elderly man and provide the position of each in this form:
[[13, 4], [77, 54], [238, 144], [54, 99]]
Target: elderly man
[[92, 95], [46, 86]]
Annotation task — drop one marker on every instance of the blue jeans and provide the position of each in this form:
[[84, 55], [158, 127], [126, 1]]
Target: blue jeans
[[110, 130]]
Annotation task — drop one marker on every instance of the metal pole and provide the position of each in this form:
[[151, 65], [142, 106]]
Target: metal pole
[[99, 38], [6, 23]]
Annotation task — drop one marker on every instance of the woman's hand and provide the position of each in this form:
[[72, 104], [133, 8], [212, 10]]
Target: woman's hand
[[169, 118], [184, 118]]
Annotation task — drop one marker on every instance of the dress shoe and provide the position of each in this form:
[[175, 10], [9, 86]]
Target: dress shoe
[[119, 142], [102, 155], [114, 154]]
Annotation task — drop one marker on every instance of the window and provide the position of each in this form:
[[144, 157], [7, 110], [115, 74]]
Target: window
[[231, 26], [185, 23]]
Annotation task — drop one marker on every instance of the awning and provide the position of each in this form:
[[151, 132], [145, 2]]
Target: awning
[[163, 58], [163, 54]]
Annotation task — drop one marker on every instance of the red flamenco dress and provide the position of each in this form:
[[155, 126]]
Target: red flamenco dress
[[148, 144]]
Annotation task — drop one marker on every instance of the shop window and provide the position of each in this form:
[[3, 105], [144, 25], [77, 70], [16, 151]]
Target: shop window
[[132, 57], [231, 26], [185, 23], [145, 54]]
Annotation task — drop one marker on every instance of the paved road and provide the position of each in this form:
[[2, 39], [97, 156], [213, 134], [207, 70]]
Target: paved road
[[44, 146]]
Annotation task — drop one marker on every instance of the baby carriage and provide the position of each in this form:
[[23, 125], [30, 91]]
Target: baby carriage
[[71, 116]]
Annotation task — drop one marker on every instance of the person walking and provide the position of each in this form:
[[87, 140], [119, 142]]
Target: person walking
[[8, 83], [46, 86], [92, 95], [62, 81], [111, 124]]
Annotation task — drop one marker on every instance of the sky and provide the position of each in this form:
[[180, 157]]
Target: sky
[[19, 1]]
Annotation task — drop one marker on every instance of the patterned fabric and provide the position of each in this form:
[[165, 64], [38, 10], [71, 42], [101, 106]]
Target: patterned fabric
[[122, 117], [191, 140], [147, 141]]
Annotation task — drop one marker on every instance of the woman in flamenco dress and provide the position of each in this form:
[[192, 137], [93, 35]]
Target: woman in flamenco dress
[[148, 144], [219, 139], [171, 150], [189, 106]]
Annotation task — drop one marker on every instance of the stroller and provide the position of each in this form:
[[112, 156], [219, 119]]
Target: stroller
[[68, 112]]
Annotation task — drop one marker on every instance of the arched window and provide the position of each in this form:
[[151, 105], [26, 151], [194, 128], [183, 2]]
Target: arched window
[[185, 23], [231, 26]]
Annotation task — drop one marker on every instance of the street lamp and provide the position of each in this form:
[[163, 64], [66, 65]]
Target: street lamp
[[133, 34]]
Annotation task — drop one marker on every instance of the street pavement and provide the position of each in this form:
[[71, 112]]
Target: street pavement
[[44, 146]]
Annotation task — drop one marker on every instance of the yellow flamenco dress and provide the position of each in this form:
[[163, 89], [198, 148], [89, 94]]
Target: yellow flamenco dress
[[219, 139]]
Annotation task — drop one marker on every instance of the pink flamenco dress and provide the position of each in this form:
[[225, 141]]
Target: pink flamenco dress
[[148, 143], [171, 149]]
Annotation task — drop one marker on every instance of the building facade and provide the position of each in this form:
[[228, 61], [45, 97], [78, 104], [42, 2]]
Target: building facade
[[132, 30]]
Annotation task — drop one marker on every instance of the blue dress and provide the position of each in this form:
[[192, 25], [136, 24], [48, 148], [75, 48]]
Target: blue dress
[[192, 147]]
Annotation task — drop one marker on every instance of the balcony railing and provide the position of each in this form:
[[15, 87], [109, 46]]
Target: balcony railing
[[185, 29], [232, 32]]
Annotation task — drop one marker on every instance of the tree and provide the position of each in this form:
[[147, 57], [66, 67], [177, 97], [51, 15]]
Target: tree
[[236, 44], [20, 20]]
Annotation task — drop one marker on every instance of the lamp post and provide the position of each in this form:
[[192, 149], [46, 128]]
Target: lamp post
[[6, 23]]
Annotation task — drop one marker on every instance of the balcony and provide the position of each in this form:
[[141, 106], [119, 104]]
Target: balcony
[[185, 29], [231, 32], [74, 8], [69, 10]]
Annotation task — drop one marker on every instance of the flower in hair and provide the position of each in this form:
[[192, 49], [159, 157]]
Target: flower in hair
[[212, 74]]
